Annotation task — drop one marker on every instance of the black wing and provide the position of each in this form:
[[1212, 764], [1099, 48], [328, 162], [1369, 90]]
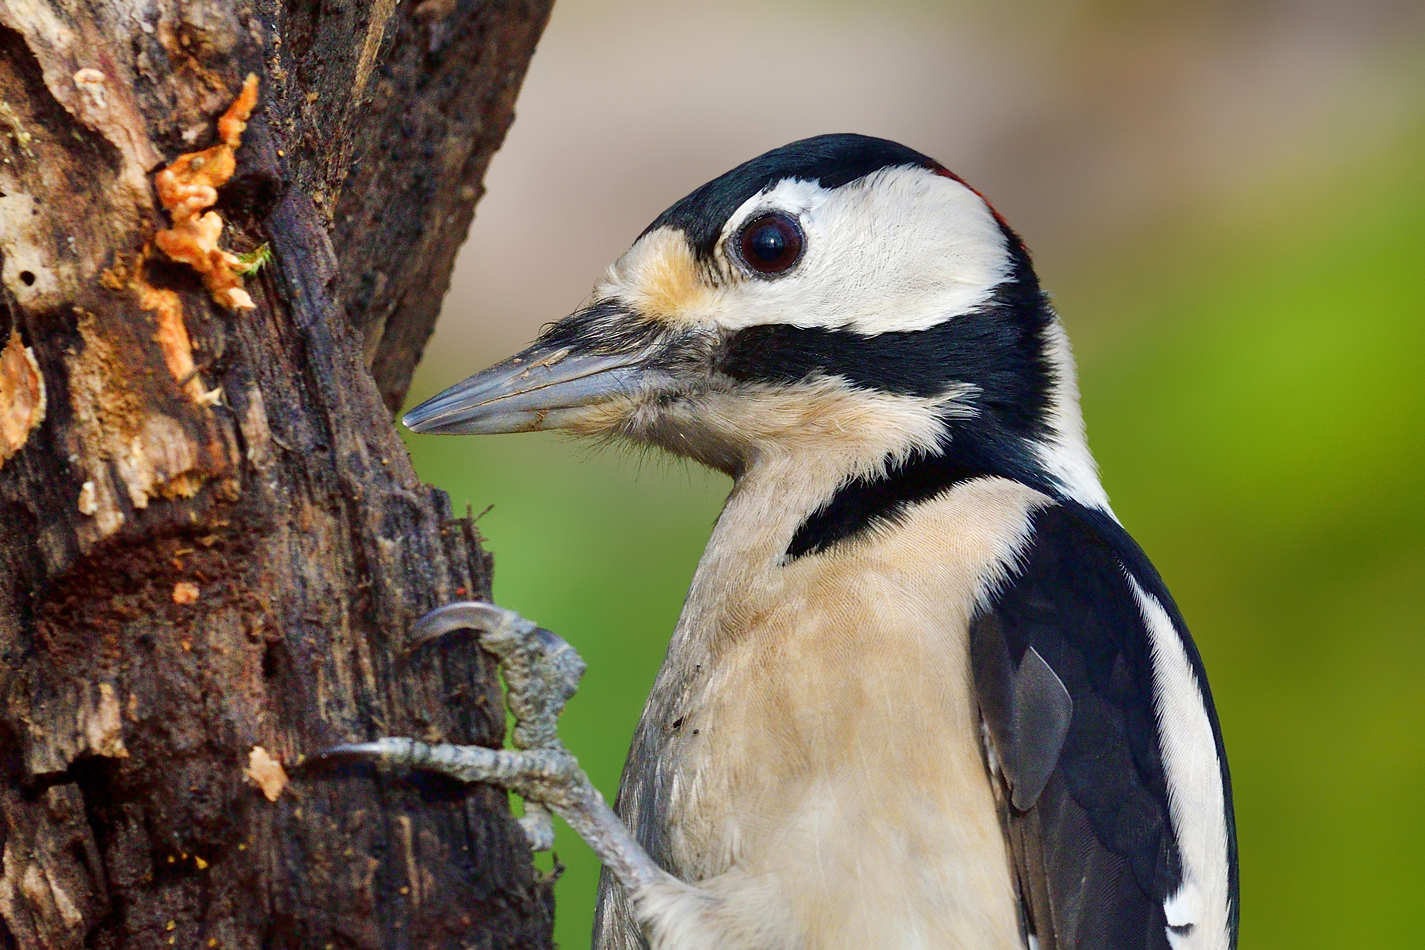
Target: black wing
[[1064, 673]]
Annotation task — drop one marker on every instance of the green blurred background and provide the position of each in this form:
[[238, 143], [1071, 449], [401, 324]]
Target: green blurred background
[[1227, 202]]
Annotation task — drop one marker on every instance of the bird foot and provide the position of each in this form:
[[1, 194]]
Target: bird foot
[[541, 672], [542, 777]]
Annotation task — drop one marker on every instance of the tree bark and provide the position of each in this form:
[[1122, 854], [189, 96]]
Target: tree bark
[[211, 538]]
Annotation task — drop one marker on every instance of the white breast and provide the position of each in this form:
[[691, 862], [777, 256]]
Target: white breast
[[828, 777]]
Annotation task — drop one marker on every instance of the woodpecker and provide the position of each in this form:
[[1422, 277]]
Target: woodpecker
[[925, 691]]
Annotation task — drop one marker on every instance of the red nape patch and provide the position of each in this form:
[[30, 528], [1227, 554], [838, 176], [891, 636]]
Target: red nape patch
[[944, 172]]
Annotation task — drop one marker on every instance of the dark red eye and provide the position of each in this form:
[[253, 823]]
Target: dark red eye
[[771, 243]]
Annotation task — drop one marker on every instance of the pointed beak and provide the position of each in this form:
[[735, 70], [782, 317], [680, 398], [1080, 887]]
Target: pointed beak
[[542, 388]]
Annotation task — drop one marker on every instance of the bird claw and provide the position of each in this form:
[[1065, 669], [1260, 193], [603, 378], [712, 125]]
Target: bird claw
[[541, 672]]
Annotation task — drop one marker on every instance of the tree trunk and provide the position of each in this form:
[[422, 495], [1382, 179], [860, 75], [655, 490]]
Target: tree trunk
[[211, 539]]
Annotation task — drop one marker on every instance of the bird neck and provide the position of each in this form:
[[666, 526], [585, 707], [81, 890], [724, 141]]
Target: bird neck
[[801, 503]]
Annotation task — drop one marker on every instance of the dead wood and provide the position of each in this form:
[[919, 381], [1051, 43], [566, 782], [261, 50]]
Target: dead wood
[[211, 537]]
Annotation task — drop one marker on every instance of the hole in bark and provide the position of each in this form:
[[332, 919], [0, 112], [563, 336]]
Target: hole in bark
[[27, 278], [272, 660], [171, 275], [250, 196], [97, 780], [12, 762]]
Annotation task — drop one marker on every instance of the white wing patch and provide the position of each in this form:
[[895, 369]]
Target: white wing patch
[[1197, 913]]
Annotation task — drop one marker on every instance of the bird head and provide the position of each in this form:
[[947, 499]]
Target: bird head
[[841, 297]]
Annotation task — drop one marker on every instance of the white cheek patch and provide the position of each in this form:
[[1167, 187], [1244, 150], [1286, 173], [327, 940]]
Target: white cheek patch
[[899, 250], [1197, 913]]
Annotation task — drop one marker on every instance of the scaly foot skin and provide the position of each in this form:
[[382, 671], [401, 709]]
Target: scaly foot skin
[[542, 672]]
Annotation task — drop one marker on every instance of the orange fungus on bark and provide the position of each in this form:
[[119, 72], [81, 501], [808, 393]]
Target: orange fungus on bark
[[189, 187], [22, 396]]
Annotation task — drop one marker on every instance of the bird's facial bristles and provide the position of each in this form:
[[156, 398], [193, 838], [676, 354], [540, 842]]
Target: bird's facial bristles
[[814, 353], [608, 372], [599, 357], [860, 323], [687, 399]]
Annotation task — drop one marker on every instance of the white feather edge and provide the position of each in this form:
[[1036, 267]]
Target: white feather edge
[[1065, 454], [1198, 911]]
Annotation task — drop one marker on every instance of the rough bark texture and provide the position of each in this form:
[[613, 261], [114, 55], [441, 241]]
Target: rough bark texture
[[211, 538]]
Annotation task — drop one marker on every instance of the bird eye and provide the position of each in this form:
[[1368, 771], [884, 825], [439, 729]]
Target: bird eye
[[771, 243]]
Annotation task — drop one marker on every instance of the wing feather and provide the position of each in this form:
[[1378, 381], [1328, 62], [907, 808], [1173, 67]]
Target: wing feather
[[1086, 802]]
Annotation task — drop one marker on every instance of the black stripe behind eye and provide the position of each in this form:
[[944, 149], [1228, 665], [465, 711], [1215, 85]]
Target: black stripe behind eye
[[997, 348], [998, 357], [904, 363]]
